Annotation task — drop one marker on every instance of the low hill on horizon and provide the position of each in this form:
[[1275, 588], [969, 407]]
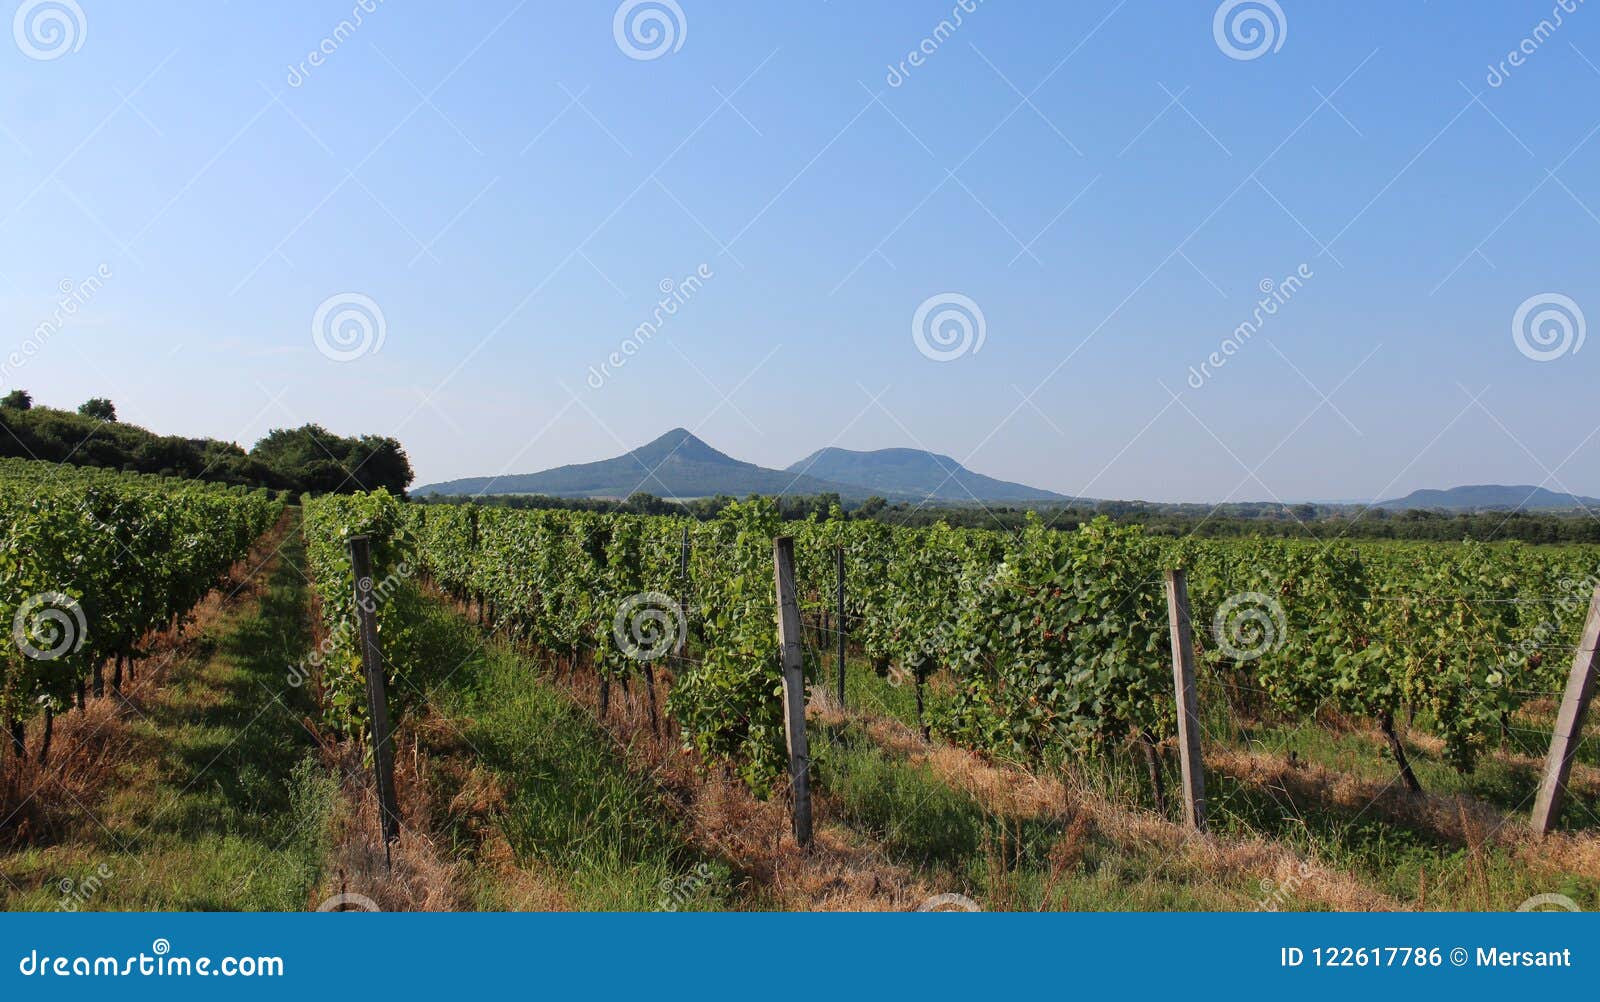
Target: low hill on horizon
[[915, 472], [1491, 497]]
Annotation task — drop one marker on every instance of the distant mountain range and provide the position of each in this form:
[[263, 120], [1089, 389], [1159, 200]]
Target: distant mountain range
[[679, 465], [1491, 497]]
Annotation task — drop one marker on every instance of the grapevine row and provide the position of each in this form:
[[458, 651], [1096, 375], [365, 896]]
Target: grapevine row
[[91, 561], [1055, 643]]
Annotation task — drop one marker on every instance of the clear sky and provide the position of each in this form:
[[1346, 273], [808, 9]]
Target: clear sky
[[1102, 179]]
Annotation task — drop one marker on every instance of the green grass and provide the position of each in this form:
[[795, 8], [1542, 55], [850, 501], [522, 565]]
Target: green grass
[[573, 808], [866, 690], [219, 805], [917, 816]]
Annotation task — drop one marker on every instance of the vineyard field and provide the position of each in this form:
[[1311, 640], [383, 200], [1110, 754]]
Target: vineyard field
[[1043, 653], [587, 709]]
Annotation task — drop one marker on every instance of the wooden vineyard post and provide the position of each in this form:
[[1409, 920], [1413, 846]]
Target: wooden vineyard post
[[838, 626], [1569, 723], [1194, 778], [794, 686], [377, 699]]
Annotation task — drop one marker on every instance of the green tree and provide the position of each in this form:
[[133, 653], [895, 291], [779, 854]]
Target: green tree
[[317, 460], [98, 408], [17, 400]]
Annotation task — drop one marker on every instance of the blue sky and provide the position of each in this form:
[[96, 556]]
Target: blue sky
[[1102, 180]]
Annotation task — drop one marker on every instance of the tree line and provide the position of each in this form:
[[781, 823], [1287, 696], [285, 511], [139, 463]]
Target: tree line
[[1323, 522], [305, 459]]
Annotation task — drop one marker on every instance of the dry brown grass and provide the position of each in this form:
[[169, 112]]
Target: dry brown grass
[[1561, 853], [1455, 818], [414, 874], [43, 803], [1458, 819], [1012, 791]]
